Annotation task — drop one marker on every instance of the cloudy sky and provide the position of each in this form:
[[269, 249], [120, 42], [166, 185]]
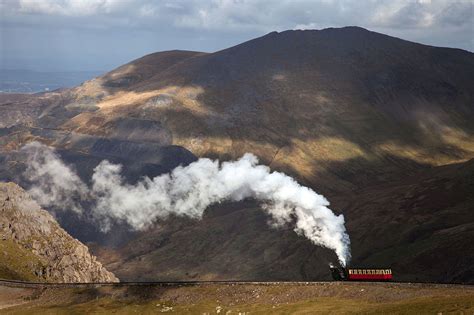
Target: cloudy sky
[[102, 34]]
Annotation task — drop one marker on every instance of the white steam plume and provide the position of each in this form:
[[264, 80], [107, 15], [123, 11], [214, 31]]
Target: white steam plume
[[189, 191], [56, 184]]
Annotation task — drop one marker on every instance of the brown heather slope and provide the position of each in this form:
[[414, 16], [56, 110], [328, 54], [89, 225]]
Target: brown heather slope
[[34, 247], [346, 111], [421, 225]]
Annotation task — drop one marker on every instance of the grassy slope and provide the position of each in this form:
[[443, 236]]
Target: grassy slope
[[17, 263], [255, 299], [445, 305]]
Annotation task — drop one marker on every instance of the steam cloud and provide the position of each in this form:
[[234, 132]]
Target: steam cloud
[[186, 191], [56, 184]]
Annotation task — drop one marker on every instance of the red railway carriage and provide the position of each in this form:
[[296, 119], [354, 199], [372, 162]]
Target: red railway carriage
[[361, 274], [369, 274]]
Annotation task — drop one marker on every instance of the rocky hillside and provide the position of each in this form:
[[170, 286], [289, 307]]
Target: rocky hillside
[[34, 247], [348, 112]]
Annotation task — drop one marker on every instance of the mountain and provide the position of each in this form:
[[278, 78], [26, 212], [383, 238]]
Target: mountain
[[35, 248], [379, 125]]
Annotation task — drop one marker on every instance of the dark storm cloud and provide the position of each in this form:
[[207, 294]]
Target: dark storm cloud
[[101, 34]]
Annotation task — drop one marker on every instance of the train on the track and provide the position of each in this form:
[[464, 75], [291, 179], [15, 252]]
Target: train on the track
[[361, 274]]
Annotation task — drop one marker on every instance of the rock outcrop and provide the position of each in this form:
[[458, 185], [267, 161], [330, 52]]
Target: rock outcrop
[[53, 255]]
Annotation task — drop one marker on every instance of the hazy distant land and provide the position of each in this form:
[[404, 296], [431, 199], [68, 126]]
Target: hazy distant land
[[27, 81]]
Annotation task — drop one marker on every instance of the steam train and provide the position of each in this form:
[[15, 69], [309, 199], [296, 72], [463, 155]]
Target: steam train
[[361, 274]]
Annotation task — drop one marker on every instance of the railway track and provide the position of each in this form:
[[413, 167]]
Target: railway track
[[17, 283], [25, 284]]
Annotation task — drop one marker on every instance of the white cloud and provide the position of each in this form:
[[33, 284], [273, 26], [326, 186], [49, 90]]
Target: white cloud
[[423, 13], [222, 15], [70, 7]]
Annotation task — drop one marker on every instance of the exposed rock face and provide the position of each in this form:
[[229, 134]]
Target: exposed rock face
[[62, 258]]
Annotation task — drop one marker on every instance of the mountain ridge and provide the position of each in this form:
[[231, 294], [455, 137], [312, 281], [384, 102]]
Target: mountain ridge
[[343, 111]]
